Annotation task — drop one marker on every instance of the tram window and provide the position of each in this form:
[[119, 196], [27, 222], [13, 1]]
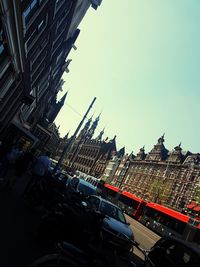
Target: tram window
[[128, 201], [166, 220]]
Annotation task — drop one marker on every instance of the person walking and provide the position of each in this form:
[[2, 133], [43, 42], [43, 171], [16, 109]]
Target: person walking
[[24, 162], [39, 170], [11, 157]]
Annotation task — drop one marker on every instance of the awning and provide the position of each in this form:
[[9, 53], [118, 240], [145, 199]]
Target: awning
[[197, 208], [191, 205], [24, 130]]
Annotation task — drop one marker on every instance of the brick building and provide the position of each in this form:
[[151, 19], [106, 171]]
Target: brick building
[[170, 178]]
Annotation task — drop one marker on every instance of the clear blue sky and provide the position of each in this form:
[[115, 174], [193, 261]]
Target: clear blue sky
[[141, 59]]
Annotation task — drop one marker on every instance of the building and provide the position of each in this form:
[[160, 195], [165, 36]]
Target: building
[[170, 178], [120, 172], [36, 37], [90, 155], [112, 165]]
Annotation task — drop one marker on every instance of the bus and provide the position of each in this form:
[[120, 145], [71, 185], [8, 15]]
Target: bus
[[166, 222], [129, 203], [132, 205], [111, 192]]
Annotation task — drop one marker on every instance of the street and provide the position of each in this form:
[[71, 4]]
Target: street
[[144, 236]]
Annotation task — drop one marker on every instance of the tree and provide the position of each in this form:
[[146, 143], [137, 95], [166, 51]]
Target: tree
[[160, 189]]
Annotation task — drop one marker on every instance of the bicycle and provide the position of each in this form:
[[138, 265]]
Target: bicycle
[[69, 255]]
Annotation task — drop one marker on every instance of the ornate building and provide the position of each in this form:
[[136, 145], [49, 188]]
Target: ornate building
[[170, 178], [90, 155], [112, 166]]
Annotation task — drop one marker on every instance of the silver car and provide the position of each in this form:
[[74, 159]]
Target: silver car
[[115, 228]]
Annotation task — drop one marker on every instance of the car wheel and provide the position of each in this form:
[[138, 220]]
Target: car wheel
[[147, 223]]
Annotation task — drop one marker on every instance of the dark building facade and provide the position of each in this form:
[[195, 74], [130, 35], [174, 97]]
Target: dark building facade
[[36, 37], [170, 178]]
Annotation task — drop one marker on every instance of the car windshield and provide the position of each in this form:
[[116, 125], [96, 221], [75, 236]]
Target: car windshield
[[112, 211], [86, 190]]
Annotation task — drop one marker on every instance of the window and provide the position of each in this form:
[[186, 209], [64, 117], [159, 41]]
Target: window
[[36, 64], [33, 6], [1, 42], [39, 71], [54, 74], [28, 12], [1, 48], [36, 33], [41, 25], [58, 4], [59, 57]]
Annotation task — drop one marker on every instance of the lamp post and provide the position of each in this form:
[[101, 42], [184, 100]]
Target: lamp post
[[71, 140]]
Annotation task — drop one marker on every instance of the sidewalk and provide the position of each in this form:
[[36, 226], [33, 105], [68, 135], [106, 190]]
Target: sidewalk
[[17, 225]]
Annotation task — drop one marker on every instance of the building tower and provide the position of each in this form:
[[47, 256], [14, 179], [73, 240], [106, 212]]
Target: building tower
[[99, 137], [55, 109], [83, 133], [93, 128]]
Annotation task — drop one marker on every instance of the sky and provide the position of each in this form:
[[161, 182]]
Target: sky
[[141, 60]]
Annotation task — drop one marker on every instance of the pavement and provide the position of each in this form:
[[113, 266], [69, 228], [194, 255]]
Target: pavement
[[17, 227]]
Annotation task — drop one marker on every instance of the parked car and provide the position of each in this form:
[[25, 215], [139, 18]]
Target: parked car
[[174, 252], [115, 228], [53, 165], [86, 188]]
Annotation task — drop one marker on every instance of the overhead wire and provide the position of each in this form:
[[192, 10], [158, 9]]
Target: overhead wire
[[98, 130]]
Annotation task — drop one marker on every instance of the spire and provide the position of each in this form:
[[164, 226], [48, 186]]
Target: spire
[[161, 140], [93, 127], [85, 129], [141, 154], [176, 155], [66, 136], [121, 152], [99, 137], [55, 109], [159, 152], [114, 138], [62, 100]]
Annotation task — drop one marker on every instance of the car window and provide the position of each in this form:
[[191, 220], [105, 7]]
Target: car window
[[121, 216], [94, 202], [86, 190], [112, 211]]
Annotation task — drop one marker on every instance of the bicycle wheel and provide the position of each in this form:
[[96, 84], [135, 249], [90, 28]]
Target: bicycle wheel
[[54, 260]]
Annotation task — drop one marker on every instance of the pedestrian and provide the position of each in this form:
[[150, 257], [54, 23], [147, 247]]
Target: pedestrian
[[24, 161], [13, 154], [72, 193], [11, 157], [40, 169]]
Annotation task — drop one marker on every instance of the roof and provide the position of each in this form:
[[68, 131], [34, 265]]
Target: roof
[[114, 188], [130, 195], [81, 181], [170, 212], [197, 208], [191, 205]]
